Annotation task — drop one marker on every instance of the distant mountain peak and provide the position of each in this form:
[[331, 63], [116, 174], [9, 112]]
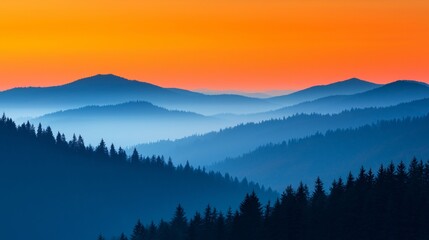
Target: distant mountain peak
[[406, 83], [353, 80], [110, 81], [411, 81], [102, 78]]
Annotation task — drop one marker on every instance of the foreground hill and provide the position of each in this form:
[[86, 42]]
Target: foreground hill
[[346, 87], [386, 95], [392, 203], [129, 123], [111, 89], [54, 189], [232, 142], [333, 153]]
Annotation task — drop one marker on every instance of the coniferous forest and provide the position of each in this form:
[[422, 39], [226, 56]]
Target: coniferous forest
[[391, 203], [345, 176], [62, 186]]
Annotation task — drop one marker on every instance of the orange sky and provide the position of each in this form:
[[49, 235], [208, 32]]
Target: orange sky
[[226, 44]]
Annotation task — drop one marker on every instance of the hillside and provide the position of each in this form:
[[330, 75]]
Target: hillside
[[392, 203], [60, 189], [129, 123], [346, 87], [110, 89], [386, 95], [232, 142], [333, 153]]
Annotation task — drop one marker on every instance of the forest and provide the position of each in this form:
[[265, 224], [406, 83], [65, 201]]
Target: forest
[[391, 203], [245, 137], [333, 153], [67, 186]]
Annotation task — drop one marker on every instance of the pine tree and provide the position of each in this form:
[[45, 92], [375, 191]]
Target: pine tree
[[319, 196], [208, 223], [135, 157], [220, 229], [318, 205], [250, 218], [152, 231], [49, 136], [123, 237], [39, 132], [164, 232], [195, 229], [101, 150], [113, 153], [122, 155], [138, 231], [179, 224]]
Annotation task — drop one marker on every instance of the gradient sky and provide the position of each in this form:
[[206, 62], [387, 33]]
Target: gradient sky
[[223, 44]]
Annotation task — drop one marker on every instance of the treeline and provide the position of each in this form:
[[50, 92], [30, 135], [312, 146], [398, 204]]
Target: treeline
[[46, 177], [233, 141], [40, 136], [333, 153], [391, 204]]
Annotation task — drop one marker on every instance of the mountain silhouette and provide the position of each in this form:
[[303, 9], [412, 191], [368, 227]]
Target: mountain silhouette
[[232, 142], [332, 153], [64, 189], [129, 123], [111, 89], [346, 87], [386, 95]]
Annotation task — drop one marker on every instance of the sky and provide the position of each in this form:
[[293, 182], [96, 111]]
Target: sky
[[249, 45]]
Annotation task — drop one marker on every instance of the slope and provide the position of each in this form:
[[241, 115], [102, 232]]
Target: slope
[[232, 142], [386, 95], [129, 123], [331, 154], [346, 87], [111, 89], [54, 189]]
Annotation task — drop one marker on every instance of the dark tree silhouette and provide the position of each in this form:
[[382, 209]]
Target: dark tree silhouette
[[179, 224], [100, 186], [138, 231], [250, 221], [392, 204], [123, 237]]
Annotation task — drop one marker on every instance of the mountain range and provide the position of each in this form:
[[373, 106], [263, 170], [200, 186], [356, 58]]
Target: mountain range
[[346, 87], [111, 89], [386, 95], [128, 123], [56, 186], [332, 153], [231, 142]]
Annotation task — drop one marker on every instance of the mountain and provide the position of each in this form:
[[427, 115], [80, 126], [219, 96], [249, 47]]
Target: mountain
[[263, 94], [129, 123], [386, 95], [331, 154], [232, 142], [57, 189], [392, 203], [111, 89], [346, 87]]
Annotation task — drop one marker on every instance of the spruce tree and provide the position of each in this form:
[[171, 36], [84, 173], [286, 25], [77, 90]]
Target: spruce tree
[[250, 219], [138, 231], [179, 224], [123, 237]]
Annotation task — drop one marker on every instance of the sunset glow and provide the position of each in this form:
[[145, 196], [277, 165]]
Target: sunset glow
[[243, 45]]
